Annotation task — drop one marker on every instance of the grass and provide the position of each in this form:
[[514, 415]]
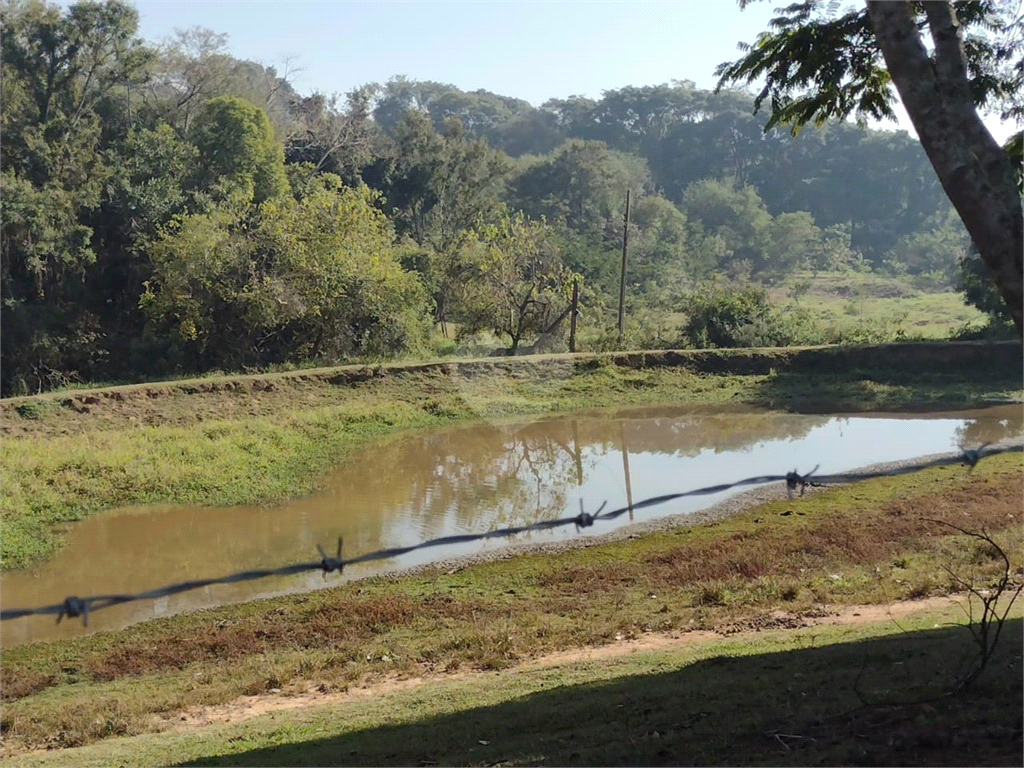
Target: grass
[[868, 306], [265, 439], [652, 708], [848, 301], [929, 315], [869, 543]]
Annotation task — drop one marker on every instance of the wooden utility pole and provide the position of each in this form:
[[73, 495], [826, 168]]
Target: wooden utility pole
[[622, 276], [575, 312]]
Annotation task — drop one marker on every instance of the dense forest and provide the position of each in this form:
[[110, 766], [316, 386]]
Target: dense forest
[[171, 209]]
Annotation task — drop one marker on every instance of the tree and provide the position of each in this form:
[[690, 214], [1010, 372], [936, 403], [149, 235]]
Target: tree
[[148, 186], [330, 139], [734, 213], [973, 281], [792, 239], [832, 252], [193, 66], [520, 287], [937, 249], [59, 72], [236, 141], [658, 249], [583, 183], [296, 280], [438, 185], [816, 67]]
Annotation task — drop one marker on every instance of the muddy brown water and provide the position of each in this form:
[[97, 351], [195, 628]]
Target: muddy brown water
[[464, 480]]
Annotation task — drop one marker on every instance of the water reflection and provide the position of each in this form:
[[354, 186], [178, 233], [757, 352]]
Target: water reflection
[[467, 479]]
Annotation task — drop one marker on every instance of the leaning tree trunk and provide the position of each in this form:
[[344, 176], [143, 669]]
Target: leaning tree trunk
[[974, 170]]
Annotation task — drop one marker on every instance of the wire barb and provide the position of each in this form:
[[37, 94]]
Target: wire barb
[[583, 520], [328, 563], [74, 607], [794, 479], [972, 457]]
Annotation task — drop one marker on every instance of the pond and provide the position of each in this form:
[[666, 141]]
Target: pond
[[465, 480]]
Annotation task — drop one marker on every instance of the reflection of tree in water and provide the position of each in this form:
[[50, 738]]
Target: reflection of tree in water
[[482, 477], [691, 434], [474, 478], [990, 426]]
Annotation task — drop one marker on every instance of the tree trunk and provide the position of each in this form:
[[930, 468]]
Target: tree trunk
[[974, 170]]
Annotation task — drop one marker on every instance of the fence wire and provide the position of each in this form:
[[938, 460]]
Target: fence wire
[[75, 607]]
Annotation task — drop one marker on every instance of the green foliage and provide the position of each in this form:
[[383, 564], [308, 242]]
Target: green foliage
[[792, 239], [519, 287], [744, 316], [193, 66], [236, 142], [730, 221], [832, 253], [315, 278], [658, 252], [31, 410], [936, 251], [438, 185], [731, 317], [815, 68], [58, 70], [583, 183], [1015, 150], [134, 244], [974, 281], [817, 64]]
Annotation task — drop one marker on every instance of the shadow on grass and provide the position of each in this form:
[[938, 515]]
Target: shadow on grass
[[795, 707], [878, 391]]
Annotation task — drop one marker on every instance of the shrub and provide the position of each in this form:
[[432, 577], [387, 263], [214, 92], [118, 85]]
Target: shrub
[[733, 317]]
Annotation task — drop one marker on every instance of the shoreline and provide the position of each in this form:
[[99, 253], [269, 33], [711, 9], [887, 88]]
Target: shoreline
[[733, 505]]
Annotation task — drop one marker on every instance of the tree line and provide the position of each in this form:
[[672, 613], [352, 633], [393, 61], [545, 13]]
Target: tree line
[[169, 209]]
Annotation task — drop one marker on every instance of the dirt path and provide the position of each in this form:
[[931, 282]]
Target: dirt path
[[249, 707]]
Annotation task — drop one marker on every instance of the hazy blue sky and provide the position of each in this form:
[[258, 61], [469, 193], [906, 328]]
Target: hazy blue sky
[[531, 50]]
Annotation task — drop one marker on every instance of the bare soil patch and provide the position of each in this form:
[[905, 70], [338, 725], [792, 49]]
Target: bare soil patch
[[249, 707]]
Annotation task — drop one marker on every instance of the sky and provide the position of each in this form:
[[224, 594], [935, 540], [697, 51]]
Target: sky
[[530, 49]]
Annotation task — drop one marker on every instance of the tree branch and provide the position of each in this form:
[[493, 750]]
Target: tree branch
[[905, 54], [950, 58]]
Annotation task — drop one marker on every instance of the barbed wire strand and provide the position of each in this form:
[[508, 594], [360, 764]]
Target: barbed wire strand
[[81, 607]]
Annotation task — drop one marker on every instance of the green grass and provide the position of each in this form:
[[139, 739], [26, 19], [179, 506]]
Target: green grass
[[705, 704], [868, 543], [928, 315], [868, 306], [848, 301]]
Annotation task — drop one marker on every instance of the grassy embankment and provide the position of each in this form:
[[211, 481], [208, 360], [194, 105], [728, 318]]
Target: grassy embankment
[[771, 569], [264, 439]]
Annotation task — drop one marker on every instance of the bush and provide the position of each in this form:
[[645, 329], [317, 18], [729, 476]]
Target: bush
[[995, 329], [744, 317], [733, 317]]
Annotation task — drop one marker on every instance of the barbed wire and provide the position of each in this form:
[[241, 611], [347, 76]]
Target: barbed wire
[[75, 607]]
